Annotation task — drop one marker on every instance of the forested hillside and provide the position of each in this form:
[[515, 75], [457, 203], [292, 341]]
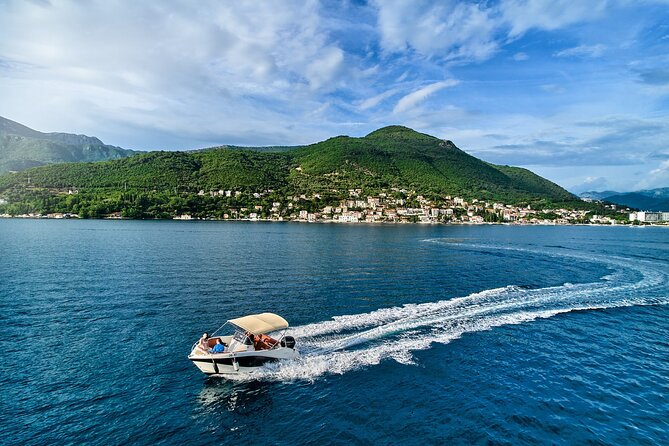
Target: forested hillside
[[391, 158]]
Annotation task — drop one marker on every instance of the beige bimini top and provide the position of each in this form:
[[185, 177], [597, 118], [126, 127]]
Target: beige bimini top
[[260, 323]]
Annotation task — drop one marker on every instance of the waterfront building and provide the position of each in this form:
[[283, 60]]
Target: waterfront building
[[649, 217]]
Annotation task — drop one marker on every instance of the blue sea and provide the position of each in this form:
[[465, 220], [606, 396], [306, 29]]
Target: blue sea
[[409, 334]]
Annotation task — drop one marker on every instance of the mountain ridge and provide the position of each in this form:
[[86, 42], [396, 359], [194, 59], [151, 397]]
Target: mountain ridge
[[387, 161], [22, 147], [646, 199]]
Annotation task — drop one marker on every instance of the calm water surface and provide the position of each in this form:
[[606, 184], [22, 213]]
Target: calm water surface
[[409, 334]]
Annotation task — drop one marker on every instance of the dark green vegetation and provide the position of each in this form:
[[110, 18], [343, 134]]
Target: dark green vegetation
[[165, 184], [22, 147], [400, 157]]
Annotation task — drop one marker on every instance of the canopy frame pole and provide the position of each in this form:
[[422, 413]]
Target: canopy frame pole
[[219, 328], [281, 338]]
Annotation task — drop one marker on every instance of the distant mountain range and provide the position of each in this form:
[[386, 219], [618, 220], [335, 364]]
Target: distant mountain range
[[22, 147], [596, 195], [647, 200]]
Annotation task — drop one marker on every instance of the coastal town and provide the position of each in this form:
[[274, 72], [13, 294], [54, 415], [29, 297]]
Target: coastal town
[[391, 206], [407, 206]]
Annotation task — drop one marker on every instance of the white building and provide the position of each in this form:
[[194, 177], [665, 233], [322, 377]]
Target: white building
[[350, 217], [649, 217]]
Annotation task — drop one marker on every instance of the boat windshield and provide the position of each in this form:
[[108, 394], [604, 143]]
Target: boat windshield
[[240, 336]]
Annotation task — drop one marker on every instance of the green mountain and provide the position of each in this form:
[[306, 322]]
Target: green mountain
[[388, 159], [22, 147], [396, 156]]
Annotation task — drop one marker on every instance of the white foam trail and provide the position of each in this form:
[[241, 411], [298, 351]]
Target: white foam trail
[[358, 340], [383, 315]]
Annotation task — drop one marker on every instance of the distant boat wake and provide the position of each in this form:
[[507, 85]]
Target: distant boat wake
[[359, 340]]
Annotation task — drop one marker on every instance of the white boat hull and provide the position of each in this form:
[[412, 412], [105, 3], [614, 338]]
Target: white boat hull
[[239, 362]]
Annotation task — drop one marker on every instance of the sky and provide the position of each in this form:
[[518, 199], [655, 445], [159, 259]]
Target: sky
[[576, 91]]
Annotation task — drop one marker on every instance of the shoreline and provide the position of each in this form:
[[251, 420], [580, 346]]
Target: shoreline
[[380, 223]]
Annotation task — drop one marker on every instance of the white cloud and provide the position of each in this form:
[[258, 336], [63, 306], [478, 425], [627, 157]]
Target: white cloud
[[553, 88], [219, 69], [593, 51], [460, 31], [414, 98], [322, 71], [591, 183], [662, 169], [656, 177], [447, 29], [523, 15], [377, 99]]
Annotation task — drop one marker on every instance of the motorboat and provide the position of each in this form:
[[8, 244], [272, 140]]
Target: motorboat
[[252, 344]]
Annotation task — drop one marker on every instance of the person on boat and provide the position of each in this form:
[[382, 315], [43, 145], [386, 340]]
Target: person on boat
[[264, 342], [219, 347], [257, 342], [203, 343]]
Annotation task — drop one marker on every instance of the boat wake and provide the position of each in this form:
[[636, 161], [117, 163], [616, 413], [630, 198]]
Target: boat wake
[[359, 340]]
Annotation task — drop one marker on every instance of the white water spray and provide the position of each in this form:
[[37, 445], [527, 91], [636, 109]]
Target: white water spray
[[352, 341]]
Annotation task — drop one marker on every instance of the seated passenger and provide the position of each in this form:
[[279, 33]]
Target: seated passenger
[[219, 347], [264, 342], [257, 342], [203, 343]]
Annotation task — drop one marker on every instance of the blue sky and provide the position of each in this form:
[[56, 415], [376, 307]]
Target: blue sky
[[575, 91]]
